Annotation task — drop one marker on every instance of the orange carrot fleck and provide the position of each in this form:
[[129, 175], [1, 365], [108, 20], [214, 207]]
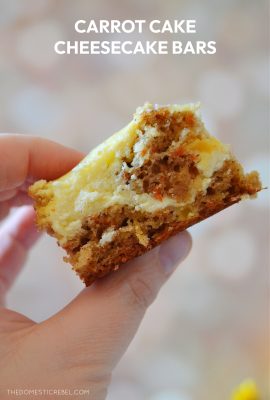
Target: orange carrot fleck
[[180, 151], [157, 194], [143, 152]]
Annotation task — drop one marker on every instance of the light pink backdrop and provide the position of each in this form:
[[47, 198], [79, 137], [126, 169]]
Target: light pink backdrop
[[208, 329]]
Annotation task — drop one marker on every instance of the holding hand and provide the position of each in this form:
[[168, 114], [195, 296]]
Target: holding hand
[[80, 345]]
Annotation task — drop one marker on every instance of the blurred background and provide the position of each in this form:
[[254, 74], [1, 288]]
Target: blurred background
[[209, 328]]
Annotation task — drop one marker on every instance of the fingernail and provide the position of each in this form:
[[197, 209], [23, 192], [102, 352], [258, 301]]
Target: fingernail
[[174, 250]]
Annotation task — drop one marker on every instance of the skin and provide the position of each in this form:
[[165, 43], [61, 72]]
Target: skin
[[79, 346]]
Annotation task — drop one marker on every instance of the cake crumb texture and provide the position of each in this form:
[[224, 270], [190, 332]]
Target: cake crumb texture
[[156, 177]]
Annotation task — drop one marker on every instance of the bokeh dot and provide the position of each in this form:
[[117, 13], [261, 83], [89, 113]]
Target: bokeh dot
[[167, 371], [170, 395], [10, 11], [123, 390], [35, 44], [35, 110], [221, 92], [232, 253]]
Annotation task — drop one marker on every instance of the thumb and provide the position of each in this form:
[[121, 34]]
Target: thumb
[[101, 321]]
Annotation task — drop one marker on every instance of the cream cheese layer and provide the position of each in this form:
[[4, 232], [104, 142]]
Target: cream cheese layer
[[95, 183]]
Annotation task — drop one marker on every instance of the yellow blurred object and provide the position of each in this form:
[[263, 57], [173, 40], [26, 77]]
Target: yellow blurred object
[[246, 391]]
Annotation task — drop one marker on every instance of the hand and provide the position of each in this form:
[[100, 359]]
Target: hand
[[79, 346]]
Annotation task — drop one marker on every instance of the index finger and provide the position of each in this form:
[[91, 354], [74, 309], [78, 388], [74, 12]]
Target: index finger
[[25, 157]]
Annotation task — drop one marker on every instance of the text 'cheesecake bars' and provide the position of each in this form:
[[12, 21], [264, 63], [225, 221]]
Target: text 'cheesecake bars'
[[159, 175]]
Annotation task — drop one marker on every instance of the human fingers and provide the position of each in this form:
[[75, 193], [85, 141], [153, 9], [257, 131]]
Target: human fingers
[[27, 157], [99, 324]]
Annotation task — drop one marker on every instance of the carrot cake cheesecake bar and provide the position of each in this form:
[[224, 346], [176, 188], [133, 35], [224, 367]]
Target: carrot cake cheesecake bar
[[159, 175]]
